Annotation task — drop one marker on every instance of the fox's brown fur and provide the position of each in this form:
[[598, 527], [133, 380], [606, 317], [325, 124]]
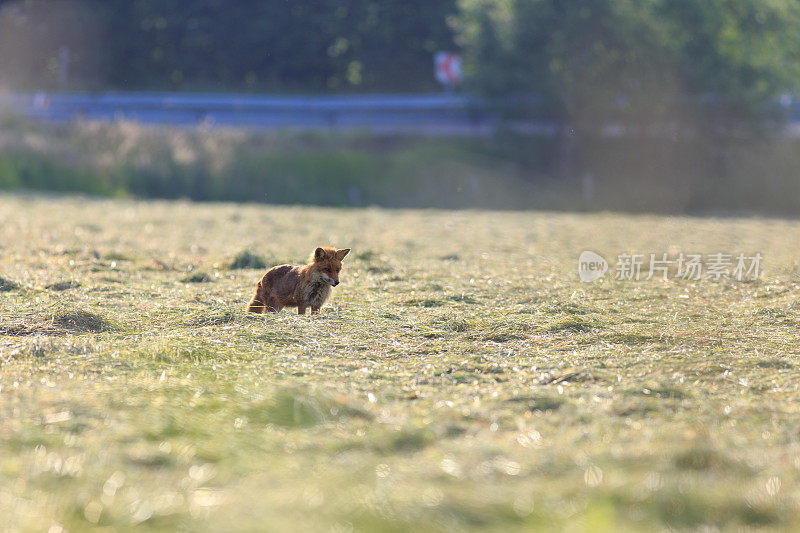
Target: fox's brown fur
[[306, 286]]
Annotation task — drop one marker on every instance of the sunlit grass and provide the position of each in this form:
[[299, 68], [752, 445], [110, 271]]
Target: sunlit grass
[[460, 377]]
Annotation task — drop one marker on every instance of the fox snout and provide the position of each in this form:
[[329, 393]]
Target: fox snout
[[328, 279]]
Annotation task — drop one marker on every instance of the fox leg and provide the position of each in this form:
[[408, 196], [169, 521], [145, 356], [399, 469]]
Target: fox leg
[[301, 310], [273, 305]]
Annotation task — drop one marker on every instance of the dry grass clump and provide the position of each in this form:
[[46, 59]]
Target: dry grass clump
[[54, 323], [7, 285], [247, 260], [78, 321], [197, 277], [63, 285]]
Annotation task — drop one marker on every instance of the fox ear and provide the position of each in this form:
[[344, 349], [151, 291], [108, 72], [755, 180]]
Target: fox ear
[[341, 253], [319, 254]]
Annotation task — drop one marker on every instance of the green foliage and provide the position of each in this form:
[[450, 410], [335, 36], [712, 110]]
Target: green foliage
[[748, 50], [634, 59], [318, 177], [30, 170], [9, 177]]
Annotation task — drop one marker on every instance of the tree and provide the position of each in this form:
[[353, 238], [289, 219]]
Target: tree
[[643, 62]]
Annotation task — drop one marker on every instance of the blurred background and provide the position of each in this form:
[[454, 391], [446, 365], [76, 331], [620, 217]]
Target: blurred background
[[672, 106]]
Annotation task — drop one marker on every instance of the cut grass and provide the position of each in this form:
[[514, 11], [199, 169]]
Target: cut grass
[[484, 389]]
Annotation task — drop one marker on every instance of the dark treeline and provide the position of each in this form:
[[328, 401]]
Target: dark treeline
[[578, 53], [247, 45]]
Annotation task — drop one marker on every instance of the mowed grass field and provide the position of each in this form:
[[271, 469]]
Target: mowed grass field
[[461, 376]]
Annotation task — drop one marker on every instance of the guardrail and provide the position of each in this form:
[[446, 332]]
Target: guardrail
[[417, 113], [374, 112]]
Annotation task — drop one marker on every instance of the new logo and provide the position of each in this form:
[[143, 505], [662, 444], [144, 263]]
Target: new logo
[[591, 266]]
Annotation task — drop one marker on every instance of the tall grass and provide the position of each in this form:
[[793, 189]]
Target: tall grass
[[358, 169]]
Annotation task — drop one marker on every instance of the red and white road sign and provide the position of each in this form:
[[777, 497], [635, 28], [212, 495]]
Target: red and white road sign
[[448, 67]]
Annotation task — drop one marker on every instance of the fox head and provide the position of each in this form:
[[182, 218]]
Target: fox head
[[326, 263]]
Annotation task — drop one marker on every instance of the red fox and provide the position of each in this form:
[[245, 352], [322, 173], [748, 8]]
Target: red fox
[[300, 286]]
